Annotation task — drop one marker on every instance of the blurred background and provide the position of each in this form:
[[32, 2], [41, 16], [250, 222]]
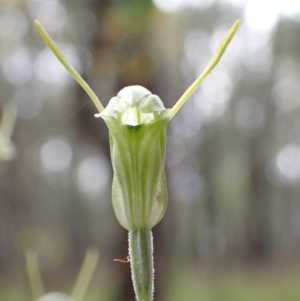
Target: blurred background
[[232, 227]]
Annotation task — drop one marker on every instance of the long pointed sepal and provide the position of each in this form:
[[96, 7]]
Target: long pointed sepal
[[212, 64], [53, 47]]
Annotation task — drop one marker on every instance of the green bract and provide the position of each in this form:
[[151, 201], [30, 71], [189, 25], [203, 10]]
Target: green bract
[[137, 123]]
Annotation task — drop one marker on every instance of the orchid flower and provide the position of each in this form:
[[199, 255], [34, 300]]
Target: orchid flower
[[137, 121]]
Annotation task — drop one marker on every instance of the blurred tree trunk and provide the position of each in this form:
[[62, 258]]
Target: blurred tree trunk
[[258, 210], [257, 221], [209, 171]]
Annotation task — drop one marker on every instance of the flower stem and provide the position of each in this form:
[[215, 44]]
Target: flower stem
[[85, 275], [141, 261]]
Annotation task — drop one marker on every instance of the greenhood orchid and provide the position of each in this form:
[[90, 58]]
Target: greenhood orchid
[[137, 122]]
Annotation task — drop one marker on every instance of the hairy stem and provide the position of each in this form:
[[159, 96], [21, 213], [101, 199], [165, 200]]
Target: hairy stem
[[141, 260]]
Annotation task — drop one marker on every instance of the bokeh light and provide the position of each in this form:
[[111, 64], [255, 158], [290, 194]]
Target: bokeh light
[[173, 6], [28, 103], [288, 7], [52, 14], [196, 49], [187, 184], [56, 154], [199, 3], [49, 69], [286, 93], [288, 162], [18, 66], [93, 175], [55, 296], [249, 116], [261, 15], [212, 99], [168, 6], [13, 25]]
